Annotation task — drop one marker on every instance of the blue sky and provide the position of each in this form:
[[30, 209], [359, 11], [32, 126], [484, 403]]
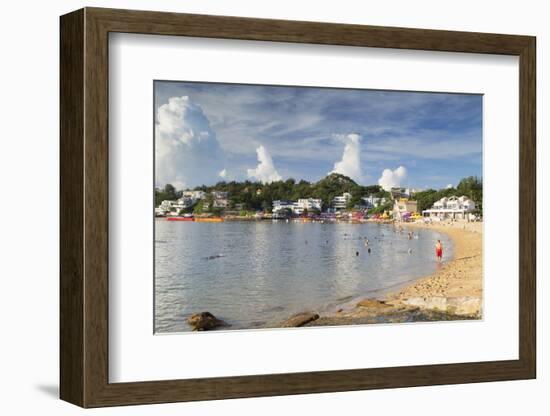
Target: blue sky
[[207, 132]]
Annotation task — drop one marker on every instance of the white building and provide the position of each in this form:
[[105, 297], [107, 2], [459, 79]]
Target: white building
[[220, 203], [280, 206], [297, 207], [187, 200], [341, 202], [166, 206], [219, 195], [308, 204], [171, 207], [196, 195], [219, 199], [372, 201], [174, 207], [451, 207], [399, 193], [403, 207]]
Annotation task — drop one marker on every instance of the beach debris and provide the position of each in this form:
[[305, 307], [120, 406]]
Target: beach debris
[[205, 321], [299, 319]]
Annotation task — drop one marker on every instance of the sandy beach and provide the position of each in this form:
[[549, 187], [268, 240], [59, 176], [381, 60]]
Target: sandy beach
[[462, 276], [453, 292]]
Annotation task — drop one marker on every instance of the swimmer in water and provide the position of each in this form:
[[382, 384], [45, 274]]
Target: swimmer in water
[[439, 250]]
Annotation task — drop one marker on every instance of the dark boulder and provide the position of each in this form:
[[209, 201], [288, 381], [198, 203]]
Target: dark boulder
[[205, 321]]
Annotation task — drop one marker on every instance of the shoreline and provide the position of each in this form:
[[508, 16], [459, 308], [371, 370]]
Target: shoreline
[[452, 292]]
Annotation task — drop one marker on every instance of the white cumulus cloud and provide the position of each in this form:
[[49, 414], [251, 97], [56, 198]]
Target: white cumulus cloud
[[187, 152], [265, 172], [392, 178], [350, 165]]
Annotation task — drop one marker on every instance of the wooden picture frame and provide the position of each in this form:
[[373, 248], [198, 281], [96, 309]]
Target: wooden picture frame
[[84, 207]]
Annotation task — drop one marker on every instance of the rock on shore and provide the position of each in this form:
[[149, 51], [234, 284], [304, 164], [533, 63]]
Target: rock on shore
[[205, 321], [374, 311], [300, 319]]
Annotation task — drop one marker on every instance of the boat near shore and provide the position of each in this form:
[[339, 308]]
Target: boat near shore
[[195, 219], [209, 219]]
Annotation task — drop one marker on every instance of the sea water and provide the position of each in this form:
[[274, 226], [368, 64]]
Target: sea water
[[254, 274]]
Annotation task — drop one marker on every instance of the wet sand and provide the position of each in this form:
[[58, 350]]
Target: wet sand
[[453, 292]]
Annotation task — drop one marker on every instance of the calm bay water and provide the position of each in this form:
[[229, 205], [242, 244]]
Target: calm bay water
[[255, 274]]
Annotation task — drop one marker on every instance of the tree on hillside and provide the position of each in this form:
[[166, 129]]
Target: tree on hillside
[[168, 193], [471, 187], [359, 192], [333, 185], [380, 209], [256, 196], [425, 199], [204, 205]]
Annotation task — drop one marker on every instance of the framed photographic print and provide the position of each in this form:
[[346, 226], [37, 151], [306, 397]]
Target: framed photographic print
[[256, 207]]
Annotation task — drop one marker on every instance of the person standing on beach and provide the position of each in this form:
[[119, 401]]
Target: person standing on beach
[[439, 250]]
